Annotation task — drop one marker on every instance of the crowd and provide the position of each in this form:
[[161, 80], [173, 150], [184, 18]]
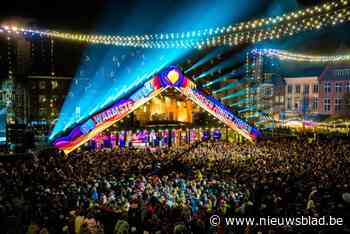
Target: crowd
[[176, 190]]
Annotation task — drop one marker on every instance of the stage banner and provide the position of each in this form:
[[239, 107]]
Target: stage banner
[[221, 112]]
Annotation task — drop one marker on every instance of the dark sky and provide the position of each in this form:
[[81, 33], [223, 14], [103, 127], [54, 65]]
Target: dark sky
[[84, 14], [77, 15], [74, 14]]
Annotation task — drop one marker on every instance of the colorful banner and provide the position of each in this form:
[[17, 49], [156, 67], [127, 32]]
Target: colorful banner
[[218, 110], [170, 77]]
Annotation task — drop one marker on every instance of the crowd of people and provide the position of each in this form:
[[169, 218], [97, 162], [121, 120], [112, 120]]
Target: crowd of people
[[177, 190]]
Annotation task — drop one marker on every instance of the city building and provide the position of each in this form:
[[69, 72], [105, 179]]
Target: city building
[[34, 79], [334, 89], [301, 95], [45, 97], [270, 94], [8, 58]]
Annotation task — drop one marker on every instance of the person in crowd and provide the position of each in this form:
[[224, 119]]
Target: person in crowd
[[176, 190]]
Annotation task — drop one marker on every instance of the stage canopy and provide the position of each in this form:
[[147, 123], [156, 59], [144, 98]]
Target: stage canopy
[[171, 77]]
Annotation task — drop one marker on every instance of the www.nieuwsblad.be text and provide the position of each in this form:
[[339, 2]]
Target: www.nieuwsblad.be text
[[216, 220]]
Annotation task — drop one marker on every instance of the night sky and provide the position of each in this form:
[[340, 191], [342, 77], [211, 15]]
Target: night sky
[[84, 14], [87, 16]]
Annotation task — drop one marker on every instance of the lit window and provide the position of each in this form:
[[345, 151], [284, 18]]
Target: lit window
[[327, 87], [268, 92], [338, 88], [42, 99], [42, 84], [337, 104], [348, 87], [326, 105], [54, 84], [54, 98]]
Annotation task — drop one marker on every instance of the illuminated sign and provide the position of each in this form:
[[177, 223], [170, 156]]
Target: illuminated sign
[[143, 92], [220, 111], [113, 112]]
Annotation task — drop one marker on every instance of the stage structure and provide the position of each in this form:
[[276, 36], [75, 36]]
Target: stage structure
[[172, 77]]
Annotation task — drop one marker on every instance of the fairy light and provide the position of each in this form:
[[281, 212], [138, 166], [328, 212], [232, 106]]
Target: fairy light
[[288, 56], [312, 18]]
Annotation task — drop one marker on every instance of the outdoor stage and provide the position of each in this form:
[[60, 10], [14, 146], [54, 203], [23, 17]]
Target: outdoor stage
[[159, 138], [170, 78]]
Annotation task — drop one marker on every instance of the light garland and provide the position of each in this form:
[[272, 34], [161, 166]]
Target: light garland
[[284, 30], [285, 55], [313, 18]]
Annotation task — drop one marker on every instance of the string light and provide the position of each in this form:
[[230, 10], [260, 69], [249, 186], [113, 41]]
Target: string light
[[285, 30], [312, 18], [285, 55]]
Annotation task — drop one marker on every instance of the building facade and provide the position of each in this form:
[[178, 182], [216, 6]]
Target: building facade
[[35, 77], [334, 89], [8, 68], [271, 94], [301, 95], [27, 62], [45, 97]]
